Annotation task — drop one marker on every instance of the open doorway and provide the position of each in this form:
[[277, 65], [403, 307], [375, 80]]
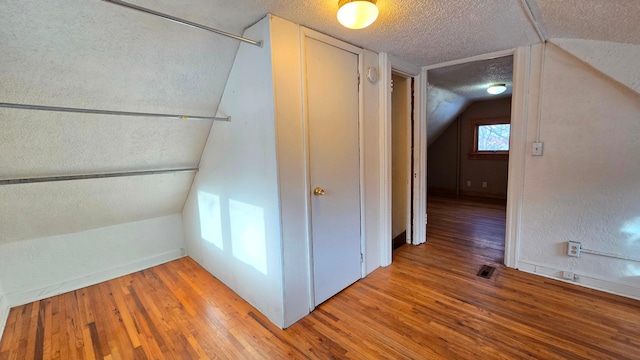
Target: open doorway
[[468, 156], [401, 158]]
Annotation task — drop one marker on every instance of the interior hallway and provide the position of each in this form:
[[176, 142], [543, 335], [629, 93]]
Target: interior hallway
[[428, 304]]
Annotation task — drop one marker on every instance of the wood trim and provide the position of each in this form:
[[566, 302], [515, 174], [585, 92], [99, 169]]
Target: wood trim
[[399, 240], [489, 56], [384, 146], [306, 32], [420, 160], [515, 182]]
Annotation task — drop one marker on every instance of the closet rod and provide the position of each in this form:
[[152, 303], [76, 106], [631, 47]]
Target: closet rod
[[108, 112], [93, 176], [184, 22]]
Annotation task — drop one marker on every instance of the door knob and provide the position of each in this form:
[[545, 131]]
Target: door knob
[[318, 191]]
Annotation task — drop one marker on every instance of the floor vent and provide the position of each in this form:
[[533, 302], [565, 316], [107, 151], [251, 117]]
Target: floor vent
[[486, 271]]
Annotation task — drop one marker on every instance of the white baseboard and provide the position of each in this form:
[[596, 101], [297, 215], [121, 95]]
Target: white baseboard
[[587, 281], [21, 298], [4, 314]]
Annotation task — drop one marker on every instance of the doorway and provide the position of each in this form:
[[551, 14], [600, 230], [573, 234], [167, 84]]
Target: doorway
[[401, 159], [468, 149]]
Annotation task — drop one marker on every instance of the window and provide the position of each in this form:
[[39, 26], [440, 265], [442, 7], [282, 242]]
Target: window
[[490, 138]]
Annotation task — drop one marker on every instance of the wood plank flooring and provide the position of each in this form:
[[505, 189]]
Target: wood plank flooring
[[428, 305]]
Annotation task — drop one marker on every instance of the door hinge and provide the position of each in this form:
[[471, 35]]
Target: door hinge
[[358, 81], [361, 258]]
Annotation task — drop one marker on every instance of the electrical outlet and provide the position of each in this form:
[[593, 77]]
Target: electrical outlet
[[537, 149], [468, 182], [484, 184], [568, 275], [573, 249]]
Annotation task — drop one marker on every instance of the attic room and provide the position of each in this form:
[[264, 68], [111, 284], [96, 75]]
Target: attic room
[[204, 179]]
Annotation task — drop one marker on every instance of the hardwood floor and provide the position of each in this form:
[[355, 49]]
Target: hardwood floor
[[428, 305]]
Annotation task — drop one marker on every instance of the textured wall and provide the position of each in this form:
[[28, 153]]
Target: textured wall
[[619, 61], [585, 187], [236, 189], [493, 172], [443, 161], [35, 269], [4, 310]]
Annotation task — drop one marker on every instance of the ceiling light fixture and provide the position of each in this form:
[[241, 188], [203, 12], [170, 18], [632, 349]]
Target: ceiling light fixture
[[357, 14], [496, 89]]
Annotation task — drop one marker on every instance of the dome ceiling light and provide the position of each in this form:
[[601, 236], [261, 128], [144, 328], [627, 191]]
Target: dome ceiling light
[[357, 14], [496, 89]]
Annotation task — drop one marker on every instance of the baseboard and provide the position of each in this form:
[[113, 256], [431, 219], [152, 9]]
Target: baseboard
[[400, 240], [587, 281], [17, 299], [483, 194], [442, 191], [4, 314]]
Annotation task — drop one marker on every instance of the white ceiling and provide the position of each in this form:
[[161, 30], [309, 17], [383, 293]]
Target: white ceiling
[[92, 54], [430, 32]]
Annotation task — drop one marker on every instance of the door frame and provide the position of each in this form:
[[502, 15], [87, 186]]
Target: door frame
[[517, 154], [407, 122], [388, 64], [359, 52]]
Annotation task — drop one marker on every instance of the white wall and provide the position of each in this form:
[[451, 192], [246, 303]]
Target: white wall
[[4, 310], [585, 187], [493, 172], [35, 269], [286, 60], [259, 158], [232, 215]]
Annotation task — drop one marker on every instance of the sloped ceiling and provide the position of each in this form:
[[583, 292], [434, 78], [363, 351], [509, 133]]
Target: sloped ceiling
[[453, 88], [92, 54], [616, 60]]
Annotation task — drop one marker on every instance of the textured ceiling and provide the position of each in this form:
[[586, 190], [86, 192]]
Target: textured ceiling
[[30, 211], [471, 80], [430, 32], [453, 88], [608, 20], [92, 54]]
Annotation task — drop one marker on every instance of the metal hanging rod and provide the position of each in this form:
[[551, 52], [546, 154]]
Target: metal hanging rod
[[184, 22], [109, 112], [93, 176]]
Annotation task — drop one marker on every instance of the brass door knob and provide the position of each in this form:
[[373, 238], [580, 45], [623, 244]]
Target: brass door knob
[[318, 191]]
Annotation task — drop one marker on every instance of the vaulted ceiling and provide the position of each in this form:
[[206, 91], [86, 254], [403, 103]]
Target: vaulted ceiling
[[92, 54]]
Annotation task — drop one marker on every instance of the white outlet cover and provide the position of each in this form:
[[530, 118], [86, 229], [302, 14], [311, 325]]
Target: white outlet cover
[[537, 149]]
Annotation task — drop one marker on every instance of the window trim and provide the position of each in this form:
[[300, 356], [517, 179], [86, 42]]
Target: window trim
[[474, 154]]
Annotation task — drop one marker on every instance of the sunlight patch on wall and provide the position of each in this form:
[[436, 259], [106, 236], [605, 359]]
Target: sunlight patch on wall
[[248, 235], [632, 229], [210, 219], [632, 270]]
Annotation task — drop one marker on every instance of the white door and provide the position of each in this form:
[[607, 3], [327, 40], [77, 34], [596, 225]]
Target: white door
[[334, 166]]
